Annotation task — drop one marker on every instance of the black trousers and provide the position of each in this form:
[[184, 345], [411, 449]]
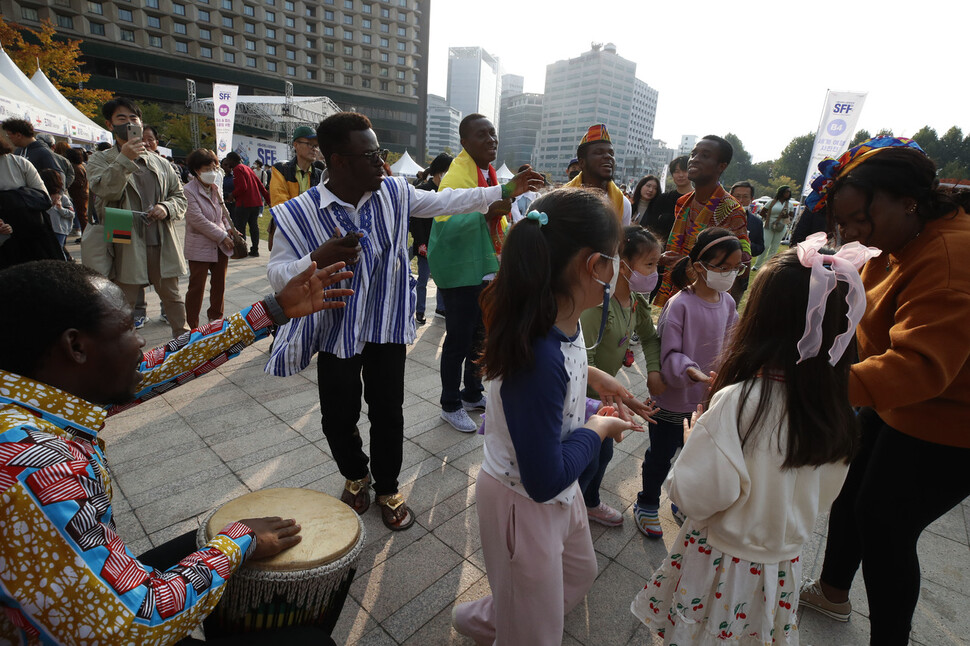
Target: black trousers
[[464, 334], [382, 367], [244, 215], [896, 486], [168, 554]]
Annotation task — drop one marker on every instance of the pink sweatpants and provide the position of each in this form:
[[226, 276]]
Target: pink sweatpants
[[540, 564]]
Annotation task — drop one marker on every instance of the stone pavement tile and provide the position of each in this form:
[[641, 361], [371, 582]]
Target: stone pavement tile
[[430, 488], [275, 467], [414, 430], [471, 461], [644, 555], [461, 532], [234, 419], [155, 412], [612, 541], [382, 543], [303, 397], [624, 478], [157, 476], [175, 485], [425, 606], [941, 616], [604, 616], [177, 529], [377, 637], [155, 441], [441, 436], [243, 449], [138, 547], [420, 411], [945, 562], [818, 630], [438, 631], [448, 509], [354, 623], [952, 525], [170, 509], [200, 394], [389, 586]]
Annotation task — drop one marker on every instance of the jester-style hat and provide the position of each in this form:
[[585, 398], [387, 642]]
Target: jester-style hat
[[595, 134]]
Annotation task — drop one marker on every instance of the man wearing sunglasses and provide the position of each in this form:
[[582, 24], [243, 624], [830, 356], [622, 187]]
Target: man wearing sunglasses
[[296, 176], [360, 215]]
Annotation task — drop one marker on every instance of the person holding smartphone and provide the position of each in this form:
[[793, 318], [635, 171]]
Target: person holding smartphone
[[127, 176]]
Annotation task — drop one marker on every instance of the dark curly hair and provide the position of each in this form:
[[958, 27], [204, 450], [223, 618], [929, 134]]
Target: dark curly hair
[[333, 133]]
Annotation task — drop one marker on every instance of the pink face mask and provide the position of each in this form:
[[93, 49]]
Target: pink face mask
[[641, 283]]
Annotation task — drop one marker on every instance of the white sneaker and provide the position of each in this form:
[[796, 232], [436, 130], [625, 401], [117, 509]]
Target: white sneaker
[[605, 515], [460, 420], [474, 406]]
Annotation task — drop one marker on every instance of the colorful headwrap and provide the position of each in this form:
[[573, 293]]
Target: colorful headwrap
[[595, 134], [833, 169]]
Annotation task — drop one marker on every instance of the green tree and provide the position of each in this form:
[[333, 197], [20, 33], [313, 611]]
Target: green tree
[[860, 136], [951, 148], [885, 132], [740, 165], [929, 141], [793, 161], [175, 128], [954, 170], [761, 172], [784, 180]]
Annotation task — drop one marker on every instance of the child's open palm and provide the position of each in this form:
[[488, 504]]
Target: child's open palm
[[689, 426]]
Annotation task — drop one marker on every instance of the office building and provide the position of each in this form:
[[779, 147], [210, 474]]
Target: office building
[[442, 128], [512, 84], [658, 157], [365, 55], [687, 143], [599, 86], [521, 117], [640, 135], [474, 82]]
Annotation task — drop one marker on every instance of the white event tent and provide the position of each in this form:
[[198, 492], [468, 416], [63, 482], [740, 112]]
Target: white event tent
[[405, 166], [504, 174], [22, 99]]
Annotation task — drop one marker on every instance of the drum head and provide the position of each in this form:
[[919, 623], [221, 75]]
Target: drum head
[[329, 527]]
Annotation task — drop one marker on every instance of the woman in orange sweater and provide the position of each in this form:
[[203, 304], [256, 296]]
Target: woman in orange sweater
[[912, 381]]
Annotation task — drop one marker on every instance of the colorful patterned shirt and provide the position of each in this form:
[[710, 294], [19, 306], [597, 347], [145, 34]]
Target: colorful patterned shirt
[[720, 210], [65, 574]]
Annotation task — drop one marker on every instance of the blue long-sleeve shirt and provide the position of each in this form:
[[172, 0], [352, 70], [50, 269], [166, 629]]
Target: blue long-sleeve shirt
[[535, 441]]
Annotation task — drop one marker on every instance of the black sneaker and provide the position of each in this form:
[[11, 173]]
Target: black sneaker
[[440, 313], [254, 253], [419, 317]]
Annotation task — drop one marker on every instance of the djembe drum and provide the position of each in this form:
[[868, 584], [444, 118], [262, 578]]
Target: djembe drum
[[304, 585]]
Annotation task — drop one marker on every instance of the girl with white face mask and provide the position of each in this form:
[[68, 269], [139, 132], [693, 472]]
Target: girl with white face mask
[[628, 315], [693, 326]]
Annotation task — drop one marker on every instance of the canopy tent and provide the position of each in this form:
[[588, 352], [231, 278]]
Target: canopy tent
[[405, 166], [22, 99], [81, 126], [504, 174]]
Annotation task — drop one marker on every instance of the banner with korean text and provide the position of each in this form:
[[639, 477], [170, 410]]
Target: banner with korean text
[[835, 130], [224, 114]]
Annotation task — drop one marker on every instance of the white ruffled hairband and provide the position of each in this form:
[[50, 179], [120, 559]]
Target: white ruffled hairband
[[827, 270]]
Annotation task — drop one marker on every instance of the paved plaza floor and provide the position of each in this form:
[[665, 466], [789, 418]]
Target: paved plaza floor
[[238, 430]]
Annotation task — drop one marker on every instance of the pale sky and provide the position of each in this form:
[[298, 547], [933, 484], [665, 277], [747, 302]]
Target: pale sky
[[757, 68]]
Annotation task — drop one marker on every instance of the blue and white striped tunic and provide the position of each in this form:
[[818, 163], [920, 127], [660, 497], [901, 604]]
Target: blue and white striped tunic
[[382, 307]]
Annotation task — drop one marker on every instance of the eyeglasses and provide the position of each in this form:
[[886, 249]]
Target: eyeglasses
[[312, 145], [378, 156], [742, 269]]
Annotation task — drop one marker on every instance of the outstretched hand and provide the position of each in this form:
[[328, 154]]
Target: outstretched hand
[[689, 426], [527, 180], [273, 535], [306, 292], [607, 424], [645, 409]]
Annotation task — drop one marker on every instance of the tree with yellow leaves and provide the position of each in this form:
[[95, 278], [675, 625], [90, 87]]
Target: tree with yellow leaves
[[59, 59]]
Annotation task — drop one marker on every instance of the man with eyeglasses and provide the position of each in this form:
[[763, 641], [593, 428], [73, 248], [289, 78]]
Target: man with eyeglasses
[[296, 176], [359, 215]]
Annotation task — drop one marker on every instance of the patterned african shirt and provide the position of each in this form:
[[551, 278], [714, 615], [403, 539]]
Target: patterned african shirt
[[720, 210], [65, 574]]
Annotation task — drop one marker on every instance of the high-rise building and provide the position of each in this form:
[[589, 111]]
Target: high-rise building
[[521, 118], [687, 143], [512, 84], [473, 82], [442, 128], [640, 136], [658, 157], [598, 86], [366, 55]]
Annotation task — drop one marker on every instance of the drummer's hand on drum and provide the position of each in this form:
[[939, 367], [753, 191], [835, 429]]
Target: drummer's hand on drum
[[306, 292], [273, 535]]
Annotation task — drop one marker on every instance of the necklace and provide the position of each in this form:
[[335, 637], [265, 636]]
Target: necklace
[[889, 257]]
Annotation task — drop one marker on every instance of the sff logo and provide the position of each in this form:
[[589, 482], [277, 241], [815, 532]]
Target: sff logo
[[225, 96], [843, 108]]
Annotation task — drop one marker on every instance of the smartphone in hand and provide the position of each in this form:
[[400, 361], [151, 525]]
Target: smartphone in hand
[[134, 131]]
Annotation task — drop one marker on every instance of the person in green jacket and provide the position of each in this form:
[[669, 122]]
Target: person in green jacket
[[629, 314]]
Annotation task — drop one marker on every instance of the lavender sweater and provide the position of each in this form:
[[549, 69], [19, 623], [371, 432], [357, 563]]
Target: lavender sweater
[[692, 332]]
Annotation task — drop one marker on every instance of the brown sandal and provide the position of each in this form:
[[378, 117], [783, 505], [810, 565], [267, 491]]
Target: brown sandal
[[395, 513], [356, 494]]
